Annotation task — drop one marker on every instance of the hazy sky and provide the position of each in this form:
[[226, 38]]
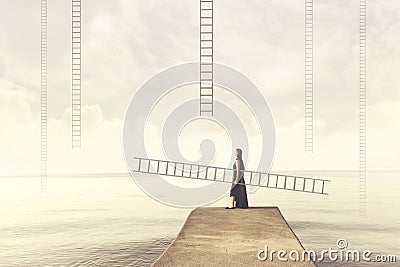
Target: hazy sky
[[126, 42]]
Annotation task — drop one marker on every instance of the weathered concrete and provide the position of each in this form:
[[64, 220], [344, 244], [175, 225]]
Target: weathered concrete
[[214, 236]]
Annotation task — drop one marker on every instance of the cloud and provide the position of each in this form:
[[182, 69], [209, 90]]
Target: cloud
[[20, 137], [129, 41], [101, 144]]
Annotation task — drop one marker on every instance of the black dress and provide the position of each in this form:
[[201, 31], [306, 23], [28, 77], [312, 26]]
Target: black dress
[[239, 190]]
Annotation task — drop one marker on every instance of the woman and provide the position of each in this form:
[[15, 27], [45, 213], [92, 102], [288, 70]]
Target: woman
[[238, 190]]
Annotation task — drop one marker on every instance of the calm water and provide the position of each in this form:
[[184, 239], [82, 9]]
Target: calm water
[[107, 221]]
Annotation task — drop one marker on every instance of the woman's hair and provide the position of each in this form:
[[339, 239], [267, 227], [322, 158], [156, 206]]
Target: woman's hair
[[239, 153]]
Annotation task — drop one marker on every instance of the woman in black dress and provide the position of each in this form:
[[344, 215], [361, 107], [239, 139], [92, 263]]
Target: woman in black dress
[[238, 190]]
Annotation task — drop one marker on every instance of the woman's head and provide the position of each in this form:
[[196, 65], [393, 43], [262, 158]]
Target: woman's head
[[238, 153]]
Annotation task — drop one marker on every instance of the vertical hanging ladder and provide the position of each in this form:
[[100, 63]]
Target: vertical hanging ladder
[[309, 90], [363, 106], [76, 74], [206, 58], [43, 96]]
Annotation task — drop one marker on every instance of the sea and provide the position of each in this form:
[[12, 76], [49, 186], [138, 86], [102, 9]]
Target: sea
[[106, 220]]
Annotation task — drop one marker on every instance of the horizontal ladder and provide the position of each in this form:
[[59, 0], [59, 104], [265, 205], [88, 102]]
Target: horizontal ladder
[[220, 174]]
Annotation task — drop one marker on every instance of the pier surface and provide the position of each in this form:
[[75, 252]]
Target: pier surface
[[214, 236]]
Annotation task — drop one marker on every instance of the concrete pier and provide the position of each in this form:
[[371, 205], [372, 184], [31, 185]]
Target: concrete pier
[[214, 236]]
